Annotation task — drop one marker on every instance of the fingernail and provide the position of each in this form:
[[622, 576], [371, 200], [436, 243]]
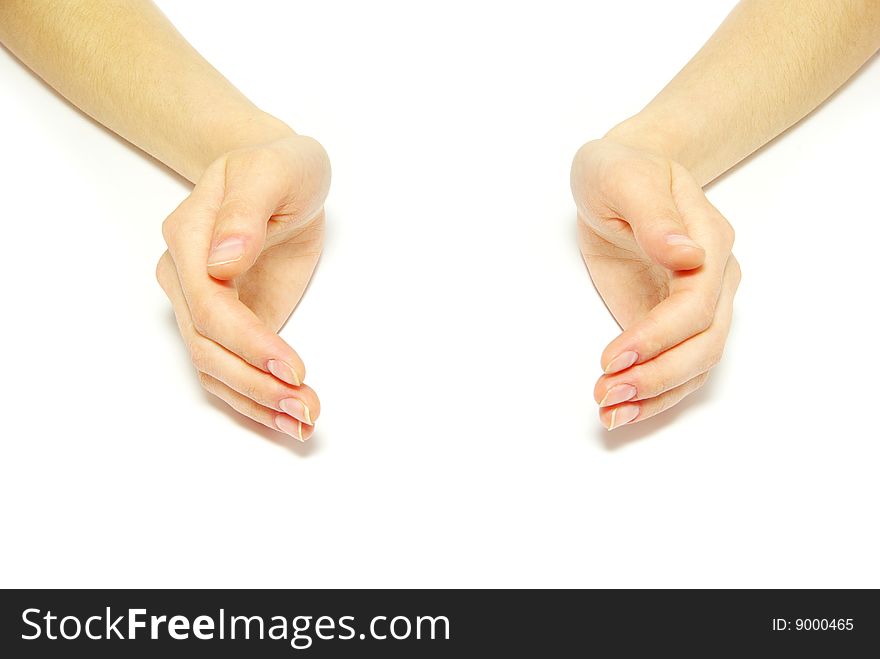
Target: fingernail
[[226, 251], [622, 415], [619, 393], [297, 409], [679, 239], [292, 427], [622, 361], [283, 371]]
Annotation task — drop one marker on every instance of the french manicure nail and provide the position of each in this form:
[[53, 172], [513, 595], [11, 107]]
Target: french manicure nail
[[622, 361], [679, 239], [283, 371], [622, 415], [292, 427], [226, 251], [297, 409], [619, 393]]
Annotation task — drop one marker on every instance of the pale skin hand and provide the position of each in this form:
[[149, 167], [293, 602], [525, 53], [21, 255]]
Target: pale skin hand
[[257, 183], [770, 63], [659, 255], [241, 250]]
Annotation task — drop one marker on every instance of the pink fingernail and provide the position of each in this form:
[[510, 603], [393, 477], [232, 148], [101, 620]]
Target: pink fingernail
[[283, 371], [622, 361], [297, 409], [226, 251], [679, 239], [622, 415], [619, 393], [292, 427]]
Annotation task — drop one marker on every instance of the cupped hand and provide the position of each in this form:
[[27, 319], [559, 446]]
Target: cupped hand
[[241, 250], [660, 256]]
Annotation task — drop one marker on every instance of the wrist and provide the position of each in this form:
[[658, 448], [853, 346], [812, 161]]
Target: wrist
[[667, 138], [232, 131], [641, 132]]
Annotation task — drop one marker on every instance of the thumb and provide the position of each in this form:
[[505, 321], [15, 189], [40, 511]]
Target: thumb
[[249, 200], [666, 241], [658, 227]]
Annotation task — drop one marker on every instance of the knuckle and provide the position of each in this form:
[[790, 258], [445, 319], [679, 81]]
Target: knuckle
[[198, 355], [205, 381], [728, 233], [311, 181], [736, 271], [582, 169], [169, 228], [316, 154], [665, 403], [648, 344], [703, 314], [712, 357], [200, 310], [162, 271], [650, 340], [712, 360], [582, 155], [650, 380], [252, 391], [659, 384], [717, 355]]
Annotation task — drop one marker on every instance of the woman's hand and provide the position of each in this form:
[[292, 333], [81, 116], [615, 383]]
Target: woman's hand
[[659, 255], [241, 250]]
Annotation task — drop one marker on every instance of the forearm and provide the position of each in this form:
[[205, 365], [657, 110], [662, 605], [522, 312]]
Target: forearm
[[123, 63], [769, 64]]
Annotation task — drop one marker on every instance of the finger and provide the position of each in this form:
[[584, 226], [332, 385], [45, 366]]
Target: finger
[[676, 366], [212, 359], [225, 320], [300, 402], [627, 413], [215, 310], [689, 308], [641, 194], [249, 408], [254, 188]]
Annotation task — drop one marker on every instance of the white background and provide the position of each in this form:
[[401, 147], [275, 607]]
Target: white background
[[451, 329]]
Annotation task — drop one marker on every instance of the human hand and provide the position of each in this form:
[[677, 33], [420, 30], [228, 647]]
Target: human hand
[[241, 250], [660, 256]]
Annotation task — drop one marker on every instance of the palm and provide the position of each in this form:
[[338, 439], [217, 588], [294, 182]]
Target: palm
[[628, 281], [275, 284]]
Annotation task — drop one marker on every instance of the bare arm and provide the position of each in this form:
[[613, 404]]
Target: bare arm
[[243, 245], [768, 65], [124, 63], [658, 252]]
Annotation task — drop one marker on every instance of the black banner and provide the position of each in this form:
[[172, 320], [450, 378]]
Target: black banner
[[419, 623]]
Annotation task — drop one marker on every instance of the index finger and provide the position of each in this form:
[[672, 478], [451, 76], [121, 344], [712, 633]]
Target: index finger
[[216, 311]]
